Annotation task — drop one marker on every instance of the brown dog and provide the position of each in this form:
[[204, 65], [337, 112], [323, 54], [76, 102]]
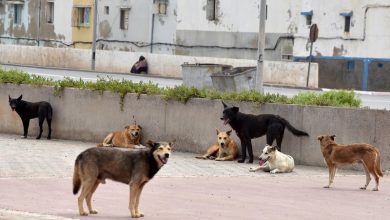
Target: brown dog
[[128, 166], [225, 149], [337, 154], [128, 138]]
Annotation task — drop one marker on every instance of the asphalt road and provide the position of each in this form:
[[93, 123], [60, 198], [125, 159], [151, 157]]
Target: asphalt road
[[373, 100], [35, 184]]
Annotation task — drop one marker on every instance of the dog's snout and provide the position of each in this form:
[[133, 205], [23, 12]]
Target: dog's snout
[[166, 155], [222, 144], [136, 133]]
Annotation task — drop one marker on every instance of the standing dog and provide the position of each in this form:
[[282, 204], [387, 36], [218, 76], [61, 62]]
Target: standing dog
[[128, 138], [337, 154], [225, 148], [275, 161], [133, 167], [249, 126], [28, 110]]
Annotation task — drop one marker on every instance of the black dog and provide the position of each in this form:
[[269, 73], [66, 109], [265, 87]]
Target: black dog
[[249, 126], [29, 110]]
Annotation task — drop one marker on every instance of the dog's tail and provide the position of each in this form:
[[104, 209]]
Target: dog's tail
[[76, 175], [378, 164], [293, 130]]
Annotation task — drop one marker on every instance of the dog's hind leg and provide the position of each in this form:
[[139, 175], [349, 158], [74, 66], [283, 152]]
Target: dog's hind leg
[[371, 169], [87, 185], [48, 119], [368, 178], [41, 119], [89, 197]]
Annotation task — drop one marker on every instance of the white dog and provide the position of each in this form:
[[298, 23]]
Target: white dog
[[274, 161]]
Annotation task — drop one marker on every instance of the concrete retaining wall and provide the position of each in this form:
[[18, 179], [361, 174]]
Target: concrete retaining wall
[[284, 73], [89, 115]]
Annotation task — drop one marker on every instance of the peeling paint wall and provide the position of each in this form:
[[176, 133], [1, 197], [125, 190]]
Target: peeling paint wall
[[34, 28], [368, 36]]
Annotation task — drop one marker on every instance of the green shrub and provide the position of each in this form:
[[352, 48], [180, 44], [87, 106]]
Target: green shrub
[[181, 93]]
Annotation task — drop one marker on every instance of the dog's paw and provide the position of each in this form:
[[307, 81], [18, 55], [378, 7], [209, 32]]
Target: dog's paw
[[363, 188], [375, 189], [252, 169], [212, 158], [249, 161], [23, 136], [137, 215], [93, 212], [327, 187], [241, 161], [83, 213]]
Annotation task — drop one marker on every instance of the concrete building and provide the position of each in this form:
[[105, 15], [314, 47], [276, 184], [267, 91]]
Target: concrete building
[[82, 22], [29, 22]]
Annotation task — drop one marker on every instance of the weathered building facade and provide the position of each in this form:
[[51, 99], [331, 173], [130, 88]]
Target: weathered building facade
[[352, 48]]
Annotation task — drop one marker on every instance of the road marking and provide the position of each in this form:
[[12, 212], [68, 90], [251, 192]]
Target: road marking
[[12, 214]]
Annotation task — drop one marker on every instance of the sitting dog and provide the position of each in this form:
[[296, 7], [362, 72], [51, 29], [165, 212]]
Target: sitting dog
[[128, 138], [274, 161], [225, 148], [337, 154], [133, 167], [28, 110]]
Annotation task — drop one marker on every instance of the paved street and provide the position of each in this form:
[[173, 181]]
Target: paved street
[[35, 183], [373, 100]]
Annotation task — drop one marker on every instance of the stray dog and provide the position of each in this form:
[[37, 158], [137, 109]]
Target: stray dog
[[225, 149], [275, 161], [129, 166], [337, 154], [249, 126], [128, 138], [28, 110]]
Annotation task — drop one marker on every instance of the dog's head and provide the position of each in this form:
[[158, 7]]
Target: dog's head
[[14, 103], [134, 131], [325, 140], [229, 113], [267, 154], [161, 151], [223, 138]]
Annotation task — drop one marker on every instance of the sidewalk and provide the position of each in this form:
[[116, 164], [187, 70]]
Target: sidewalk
[[35, 183]]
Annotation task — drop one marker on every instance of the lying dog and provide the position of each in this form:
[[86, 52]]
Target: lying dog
[[274, 161], [337, 154], [133, 167], [28, 110], [249, 126], [225, 148], [128, 138]]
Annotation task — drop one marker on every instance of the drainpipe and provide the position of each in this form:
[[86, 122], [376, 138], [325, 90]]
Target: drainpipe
[[39, 22], [152, 28]]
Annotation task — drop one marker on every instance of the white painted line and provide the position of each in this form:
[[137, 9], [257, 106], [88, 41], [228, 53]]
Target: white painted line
[[7, 213]]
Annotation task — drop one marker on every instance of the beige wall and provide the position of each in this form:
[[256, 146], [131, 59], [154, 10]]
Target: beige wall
[[89, 115]]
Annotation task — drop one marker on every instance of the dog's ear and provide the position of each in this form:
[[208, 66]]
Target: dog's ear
[[273, 148], [9, 98], [235, 109], [332, 137], [217, 131], [140, 127], [126, 127], [320, 137], [229, 132], [20, 97], [152, 144], [224, 105]]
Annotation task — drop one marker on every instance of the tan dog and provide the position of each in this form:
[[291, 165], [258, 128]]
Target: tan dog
[[274, 161], [133, 167], [337, 154], [225, 149], [128, 138]]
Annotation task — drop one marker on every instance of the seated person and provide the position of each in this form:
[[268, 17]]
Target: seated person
[[141, 66]]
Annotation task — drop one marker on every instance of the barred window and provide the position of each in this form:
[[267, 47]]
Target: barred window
[[81, 16]]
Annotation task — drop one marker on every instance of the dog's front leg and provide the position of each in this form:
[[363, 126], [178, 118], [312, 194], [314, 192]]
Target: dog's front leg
[[254, 169], [26, 123], [243, 150], [250, 151], [134, 188], [332, 172]]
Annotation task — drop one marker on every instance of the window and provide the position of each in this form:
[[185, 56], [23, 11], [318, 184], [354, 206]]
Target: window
[[106, 10], [162, 7], [347, 20], [81, 16], [18, 13], [308, 16], [50, 12], [124, 22], [347, 25], [210, 10]]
